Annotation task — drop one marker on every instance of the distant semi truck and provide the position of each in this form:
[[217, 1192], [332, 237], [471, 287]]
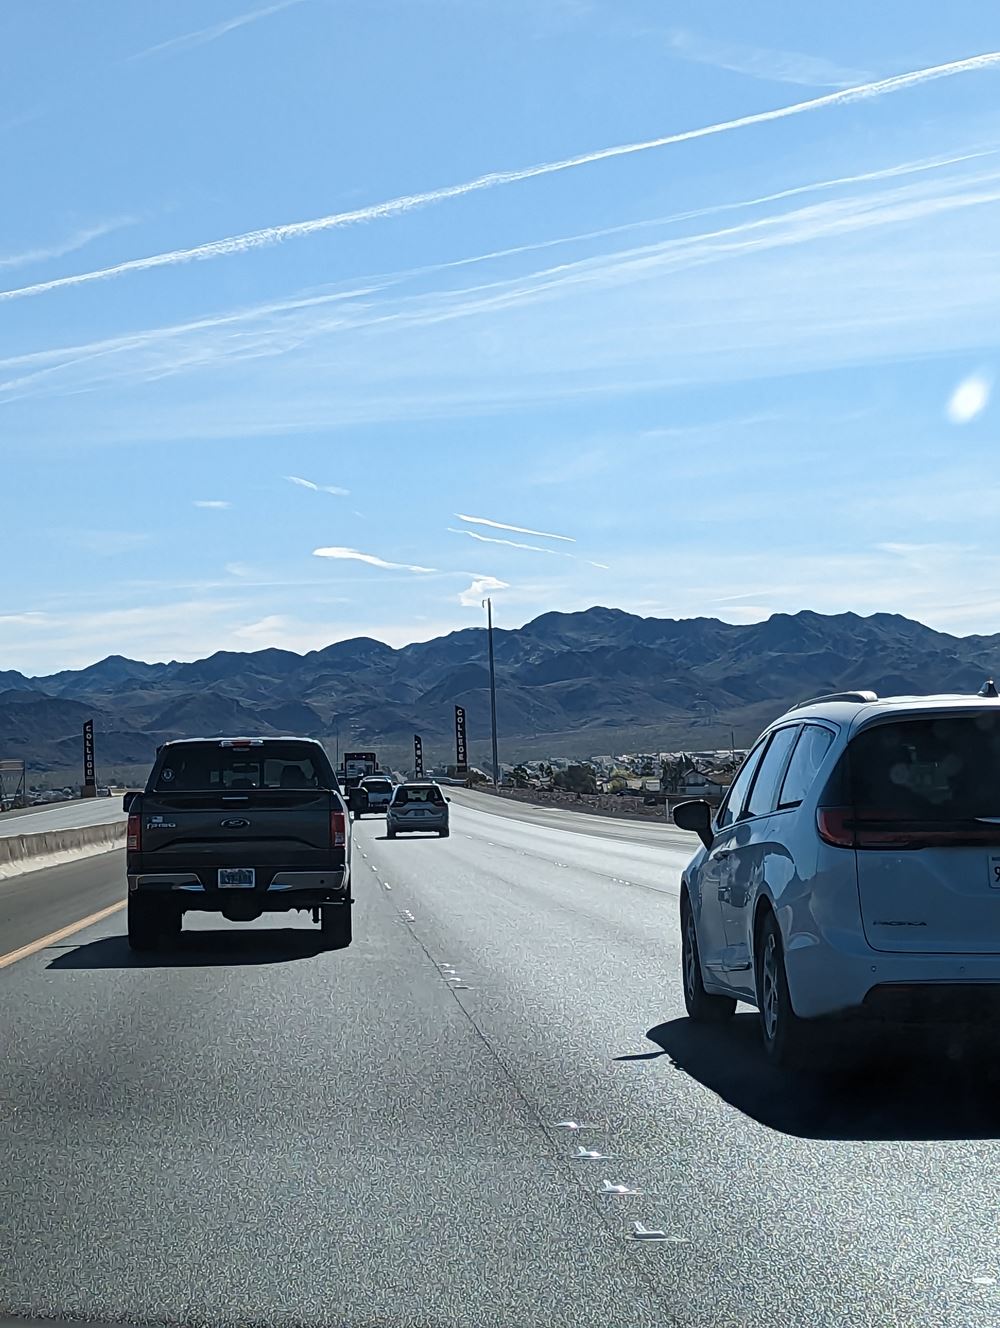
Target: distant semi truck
[[358, 766]]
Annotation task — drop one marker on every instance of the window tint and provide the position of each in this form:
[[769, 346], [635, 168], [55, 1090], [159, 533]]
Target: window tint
[[933, 769], [738, 789], [807, 758], [418, 793], [764, 794], [200, 767]]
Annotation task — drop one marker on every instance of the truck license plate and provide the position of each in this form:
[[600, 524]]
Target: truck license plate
[[237, 878]]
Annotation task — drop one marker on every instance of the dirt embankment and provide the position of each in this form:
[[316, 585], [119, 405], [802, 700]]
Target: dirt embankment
[[599, 804]]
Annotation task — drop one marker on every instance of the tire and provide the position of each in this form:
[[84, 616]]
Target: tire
[[783, 1033], [443, 834], [143, 925], [335, 925], [702, 1006]]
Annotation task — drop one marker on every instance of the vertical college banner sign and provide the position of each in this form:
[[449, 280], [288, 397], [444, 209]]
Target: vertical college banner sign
[[461, 748], [89, 774]]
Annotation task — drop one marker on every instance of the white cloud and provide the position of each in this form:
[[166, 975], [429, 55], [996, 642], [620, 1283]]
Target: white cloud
[[212, 33], [482, 586], [519, 530], [271, 235], [763, 62], [511, 544], [269, 331], [530, 548], [72, 242], [239, 569], [217, 504], [352, 555], [317, 488], [969, 399]]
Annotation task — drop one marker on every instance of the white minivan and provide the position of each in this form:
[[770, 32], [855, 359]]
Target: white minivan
[[852, 869]]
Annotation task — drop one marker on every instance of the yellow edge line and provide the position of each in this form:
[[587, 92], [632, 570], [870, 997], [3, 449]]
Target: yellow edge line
[[34, 946]]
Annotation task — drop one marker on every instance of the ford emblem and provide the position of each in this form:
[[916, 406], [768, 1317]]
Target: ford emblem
[[235, 823]]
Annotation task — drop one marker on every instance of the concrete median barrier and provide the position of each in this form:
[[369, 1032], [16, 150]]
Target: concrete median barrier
[[48, 848]]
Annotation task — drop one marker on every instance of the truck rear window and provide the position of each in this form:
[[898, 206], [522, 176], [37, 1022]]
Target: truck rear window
[[203, 767]]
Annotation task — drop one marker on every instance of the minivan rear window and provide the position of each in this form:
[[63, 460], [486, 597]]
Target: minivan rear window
[[934, 779], [937, 768]]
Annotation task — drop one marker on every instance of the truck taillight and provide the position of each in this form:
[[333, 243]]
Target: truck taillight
[[133, 839], [338, 829]]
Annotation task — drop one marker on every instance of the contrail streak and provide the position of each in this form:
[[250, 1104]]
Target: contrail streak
[[270, 235], [518, 530]]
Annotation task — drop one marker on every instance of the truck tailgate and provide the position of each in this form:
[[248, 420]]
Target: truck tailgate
[[286, 827]]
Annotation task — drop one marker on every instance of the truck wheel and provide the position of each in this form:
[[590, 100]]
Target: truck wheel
[[143, 925], [335, 926], [390, 834], [443, 834]]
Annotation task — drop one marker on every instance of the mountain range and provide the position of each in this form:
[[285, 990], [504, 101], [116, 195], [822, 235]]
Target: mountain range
[[574, 684]]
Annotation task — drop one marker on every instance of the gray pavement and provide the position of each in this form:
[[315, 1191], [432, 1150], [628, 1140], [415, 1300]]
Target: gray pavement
[[62, 816], [250, 1131]]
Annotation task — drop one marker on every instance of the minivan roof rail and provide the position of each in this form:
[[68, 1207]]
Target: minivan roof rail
[[861, 697]]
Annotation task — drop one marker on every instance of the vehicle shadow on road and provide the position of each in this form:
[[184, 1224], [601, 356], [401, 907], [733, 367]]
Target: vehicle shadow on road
[[198, 949], [867, 1085]]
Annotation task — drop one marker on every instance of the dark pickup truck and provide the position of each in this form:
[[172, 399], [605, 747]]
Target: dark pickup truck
[[241, 827]]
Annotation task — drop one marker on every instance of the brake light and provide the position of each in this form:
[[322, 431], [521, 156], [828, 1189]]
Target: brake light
[[133, 837], [871, 828], [338, 829], [836, 826]]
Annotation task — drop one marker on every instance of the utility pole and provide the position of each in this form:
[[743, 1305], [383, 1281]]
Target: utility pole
[[493, 694]]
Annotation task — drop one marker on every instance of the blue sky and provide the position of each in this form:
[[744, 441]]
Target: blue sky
[[743, 372]]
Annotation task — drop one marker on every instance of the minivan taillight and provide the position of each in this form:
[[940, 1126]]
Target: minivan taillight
[[836, 826], [338, 829], [133, 837]]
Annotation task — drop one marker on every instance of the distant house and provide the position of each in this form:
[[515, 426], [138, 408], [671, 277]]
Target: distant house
[[704, 784], [689, 775]]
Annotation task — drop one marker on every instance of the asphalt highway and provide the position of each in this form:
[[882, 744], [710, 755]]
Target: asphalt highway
[[61, 816], [248, 1130]]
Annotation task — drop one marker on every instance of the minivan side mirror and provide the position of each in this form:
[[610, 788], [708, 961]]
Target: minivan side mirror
[[128, 800], [695, 815]]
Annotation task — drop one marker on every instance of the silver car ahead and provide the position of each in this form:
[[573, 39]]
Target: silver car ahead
[[416, 807]]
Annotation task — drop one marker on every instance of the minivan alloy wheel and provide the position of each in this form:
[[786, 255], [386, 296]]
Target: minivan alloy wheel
[[769, 988], [690, 957]]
